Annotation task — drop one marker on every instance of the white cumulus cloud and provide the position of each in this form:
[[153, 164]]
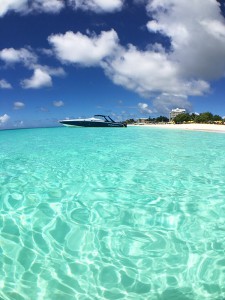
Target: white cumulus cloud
[[26, 6], [4, 84], [197, 33], [27, 57], [18, 105], [144, 108], [149, 72], [38, 80], [97, 5], [23, 55], [50, 70], [4, 119], [58, 103], [142, 71], [184, 69], [55, 6], [83, 49], [14, 5], [48, 6], [196, 55], [165, 102]]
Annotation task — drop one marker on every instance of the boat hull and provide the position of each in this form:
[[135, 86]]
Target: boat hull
[[70, 123]]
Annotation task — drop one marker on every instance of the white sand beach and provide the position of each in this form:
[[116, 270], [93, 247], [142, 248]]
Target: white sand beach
[[195, 126]]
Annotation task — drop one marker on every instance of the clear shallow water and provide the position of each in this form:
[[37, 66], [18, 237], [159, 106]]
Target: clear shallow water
[[102, 213]]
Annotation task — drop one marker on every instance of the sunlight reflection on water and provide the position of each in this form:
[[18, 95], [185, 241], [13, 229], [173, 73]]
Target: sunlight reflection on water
[[127, 213]]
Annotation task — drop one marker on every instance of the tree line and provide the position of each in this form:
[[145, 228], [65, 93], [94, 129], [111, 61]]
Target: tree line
[[159, 119], [205, 117]]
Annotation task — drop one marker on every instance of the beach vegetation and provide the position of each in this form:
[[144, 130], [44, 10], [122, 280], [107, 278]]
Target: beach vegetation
[[205, 118], [217, 118], [160, 119], [182, 118], [149, 120], [130, 121]]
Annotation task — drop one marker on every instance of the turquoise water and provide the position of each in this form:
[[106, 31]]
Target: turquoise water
[[102, 213]]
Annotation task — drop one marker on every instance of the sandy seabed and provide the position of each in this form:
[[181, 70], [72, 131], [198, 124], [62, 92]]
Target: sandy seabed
[[195, 126]]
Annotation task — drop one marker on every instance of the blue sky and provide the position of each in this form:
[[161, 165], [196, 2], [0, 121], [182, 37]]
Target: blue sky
[[126, 58]]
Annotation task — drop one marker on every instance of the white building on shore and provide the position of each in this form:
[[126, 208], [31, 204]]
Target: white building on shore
[[175, 112]]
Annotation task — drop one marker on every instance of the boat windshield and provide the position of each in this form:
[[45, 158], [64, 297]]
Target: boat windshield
[[105, 118], [94, 119]]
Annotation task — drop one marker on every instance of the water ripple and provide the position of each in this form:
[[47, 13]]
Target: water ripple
[[131, 214]]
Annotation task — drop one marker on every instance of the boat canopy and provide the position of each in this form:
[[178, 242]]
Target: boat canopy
[[107, 118]]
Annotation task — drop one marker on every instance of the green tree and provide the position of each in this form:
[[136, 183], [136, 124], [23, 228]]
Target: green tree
[[162, 119], [130, 121], [205, 117], [217, 118], [151, 120], [193, 117], [181, 118]]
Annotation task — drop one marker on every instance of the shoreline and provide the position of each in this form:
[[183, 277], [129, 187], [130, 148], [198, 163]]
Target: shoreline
[[192, 126]]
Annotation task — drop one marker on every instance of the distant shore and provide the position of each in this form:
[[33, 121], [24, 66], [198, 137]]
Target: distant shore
[[193, 126]]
